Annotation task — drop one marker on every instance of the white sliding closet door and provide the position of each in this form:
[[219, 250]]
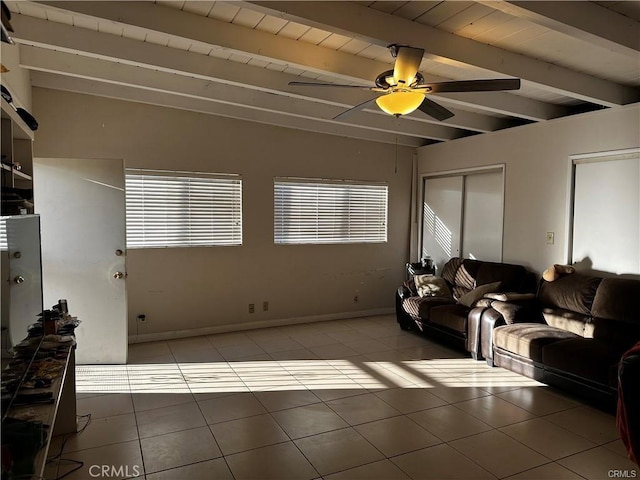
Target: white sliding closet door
[[462, 216], [606, 214], [442, 218], [483, 213]]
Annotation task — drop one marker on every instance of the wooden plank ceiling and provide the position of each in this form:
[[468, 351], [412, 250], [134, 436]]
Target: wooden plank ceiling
[[235, 59]]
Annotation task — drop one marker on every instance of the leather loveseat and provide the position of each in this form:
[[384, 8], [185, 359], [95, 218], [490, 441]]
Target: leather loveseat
[[446, 315], [571, 335]]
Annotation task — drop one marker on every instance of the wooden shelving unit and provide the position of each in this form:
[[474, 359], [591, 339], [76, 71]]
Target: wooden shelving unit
[[16, 146], [17, 173], [22, 131]]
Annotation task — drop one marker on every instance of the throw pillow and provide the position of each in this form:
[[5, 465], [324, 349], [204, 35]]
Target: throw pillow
[[550, 274], [554, 271], [470, 298], [431, 286]]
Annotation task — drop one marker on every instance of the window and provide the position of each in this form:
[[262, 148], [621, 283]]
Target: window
[[606, 212], [180, 209], [324, 211], [3, 234]]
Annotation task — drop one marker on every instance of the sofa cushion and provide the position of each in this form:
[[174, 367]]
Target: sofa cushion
[[617, 298], [617, 332], [528, 339], [431, 286], [459, 292], [466, 274], [470, 298], [525, 312], [513, 297], [410, 285], [512, 276], [566, 320], [585, 357], [450, 269], [420, 307], [574, 292], [411, 305], [453, 317], [465, 278]]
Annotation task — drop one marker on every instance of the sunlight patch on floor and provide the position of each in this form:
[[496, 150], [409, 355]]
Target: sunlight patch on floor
[[261, 376]]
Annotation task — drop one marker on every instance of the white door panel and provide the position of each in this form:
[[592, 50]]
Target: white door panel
[[82, 207], [483, 218], [463, 217], [25, 280], [442, 219]]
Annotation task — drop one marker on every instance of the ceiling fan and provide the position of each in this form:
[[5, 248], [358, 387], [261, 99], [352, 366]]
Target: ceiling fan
[[404, 90]]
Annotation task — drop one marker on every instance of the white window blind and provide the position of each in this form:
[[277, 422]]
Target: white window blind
[[606, 224], [177, 209], [3, 234], [329, 212]]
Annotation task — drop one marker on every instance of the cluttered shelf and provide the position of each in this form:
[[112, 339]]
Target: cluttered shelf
[[16, 172], [16, 149], [38, 394], [10, 112]]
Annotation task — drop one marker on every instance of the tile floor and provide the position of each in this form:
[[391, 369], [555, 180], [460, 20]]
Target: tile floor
[[339, 400]]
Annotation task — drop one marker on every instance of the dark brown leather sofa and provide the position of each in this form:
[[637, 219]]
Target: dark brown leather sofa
[[628, 411], [572, 335], [444, 317]]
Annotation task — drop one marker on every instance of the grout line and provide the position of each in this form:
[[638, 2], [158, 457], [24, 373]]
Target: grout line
[[282, 333], [135, 416]]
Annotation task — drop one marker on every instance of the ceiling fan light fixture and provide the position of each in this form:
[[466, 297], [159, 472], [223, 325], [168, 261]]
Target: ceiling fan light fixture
[[400, 102]]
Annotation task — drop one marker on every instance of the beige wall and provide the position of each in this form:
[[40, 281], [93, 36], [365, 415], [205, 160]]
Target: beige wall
[[17, 80], [188, 288], [537, 173]]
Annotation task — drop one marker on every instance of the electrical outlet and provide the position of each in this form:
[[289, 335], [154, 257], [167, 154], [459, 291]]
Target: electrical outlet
[[252, 308], [550, 238], [265, 306], [141, 318]]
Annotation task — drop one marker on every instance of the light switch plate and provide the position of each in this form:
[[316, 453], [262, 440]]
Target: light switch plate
[[550, 238]]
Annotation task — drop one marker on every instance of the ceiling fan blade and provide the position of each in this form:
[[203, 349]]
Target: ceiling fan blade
[[435, 110], [314, 84], [352, 110], [407, 64], [473, 85]]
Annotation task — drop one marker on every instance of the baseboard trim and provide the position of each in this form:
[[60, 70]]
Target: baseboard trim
[[193, 332]]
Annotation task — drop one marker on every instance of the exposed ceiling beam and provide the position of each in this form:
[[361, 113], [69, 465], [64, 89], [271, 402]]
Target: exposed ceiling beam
[[119, 92], [507, 104], [381, 29], [237, 39], [587, 21], [84, 42], [66, 64], [226, 36]]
